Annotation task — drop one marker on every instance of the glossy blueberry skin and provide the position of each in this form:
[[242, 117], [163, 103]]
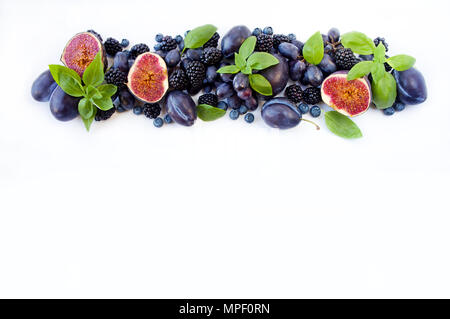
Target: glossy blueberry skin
[[241, 82], [277, 75], [303, 108], [411, 87], [224, 90], [159, 37], [157, 47], [232, 40], [280, 113], [222, 105], [63, 106], [125, 43], [211, 74], [315, 111], [178, 39], [288, 50], [137, 110], [158, 122], [334, 35], [194, 54], [389, 111], [268, 30], [398, 107], [127, 99], [234, 114], [43, 87], [249, 118], [120, 109], [312, 76], [243, 109], [292, 37], [172, 58], [234, 102], [327, 65], [181, 108], [296, 70], [257, 32], [167, 119], [121, 62]]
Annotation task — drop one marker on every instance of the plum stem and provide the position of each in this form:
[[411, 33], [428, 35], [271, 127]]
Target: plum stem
[[311, 122]]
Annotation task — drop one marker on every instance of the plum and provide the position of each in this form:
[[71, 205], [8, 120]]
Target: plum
[[313, 76], [327, 65], [181, 108], [121, 62], [232, 40], [224, 90], [63, 106], [241, 82], [411, 87], [277, 75], [288, 50], [173, 57], [334, 35], [127, 99], [43, 87], [251, 103], [234, 102], [194, 54], [296, 69], [211, 74], [245, 94], [280, 113]]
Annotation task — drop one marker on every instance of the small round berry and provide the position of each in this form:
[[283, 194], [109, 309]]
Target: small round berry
[[234, 114], [207, 89], [398, 107], [178, 39], [167, 119], [186, 33], [159, 37], [125, 43], [120, 109], [157, 47], [243, 109], [137, 110], [158, 122], [222, 105], [249, 118], [257, 32], [315, 111], [292, 37], [389, 111], [268, 30], [303, 108]]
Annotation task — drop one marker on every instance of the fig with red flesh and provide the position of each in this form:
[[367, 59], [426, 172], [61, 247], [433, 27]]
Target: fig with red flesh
[[81, 50], [148, 78], [350, 98]]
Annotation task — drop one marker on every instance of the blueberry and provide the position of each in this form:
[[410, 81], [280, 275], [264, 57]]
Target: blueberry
[[181, 45], [389, 111], [222, 105], [158, 122], [178, 39], [292, 37], [120, 109], [315, 111], [186, 33], [249, 118], [207, 89], [159, 37], [157, 47], [398, 107], [257, 32], [137, 110], [243, 109], [268, 30], [303, 108], [234, 114], [125, 43], [168, 119]]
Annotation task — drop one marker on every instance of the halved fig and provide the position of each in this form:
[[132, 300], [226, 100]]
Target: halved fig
[[81, 50], [350, 98], [148, 78]]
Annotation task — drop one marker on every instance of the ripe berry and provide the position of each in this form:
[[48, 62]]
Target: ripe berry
[[137, 110], [303, 108], [243, 109], [249, 118], [389, 111], [168, 119], [398, 107], [315, 111], [222, 105], [268, 30], [234, 114], [159, 37], [158, 122]]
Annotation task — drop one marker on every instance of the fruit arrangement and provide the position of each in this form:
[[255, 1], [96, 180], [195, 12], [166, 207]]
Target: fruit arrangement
[[286, 77]]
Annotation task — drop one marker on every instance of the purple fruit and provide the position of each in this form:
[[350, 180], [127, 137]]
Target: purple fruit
[[241, 82], [277, 75], [63, 106], [194, 54], [327, 65], [288, 50], [234, 102], [172, 58], [127, 99], [334, 35], [181, 108], [224, 90], [43, 87], [231, 42], [299, 45], [121, 62], [280, 113], [313, 76], [411, 87], [251, 103], [296, 69], [245, 94], [211, 74]]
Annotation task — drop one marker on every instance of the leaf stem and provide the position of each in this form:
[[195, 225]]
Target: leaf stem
[[311, 122]]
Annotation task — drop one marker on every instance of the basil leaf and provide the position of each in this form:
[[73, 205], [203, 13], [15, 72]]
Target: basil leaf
[[229, 69], [105, 103], [341, 125], [87, 122], [360, 70], [240, 62], [378, 70], [107, 89], [67, 79], [209, 113], [313, 50], [384, 91], [92, 92], [401, 62], [358, 42], [56, 70], [197, 37], [379, 55], [247, 70], [93, 75], [247, 47], [260, 84], [261, 61], [85, 108]]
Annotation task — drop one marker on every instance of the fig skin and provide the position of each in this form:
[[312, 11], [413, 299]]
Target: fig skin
[[63, 106], [181, 108], [411, 87], [43, 87], [232, 40], [280, 113], [277, 75]]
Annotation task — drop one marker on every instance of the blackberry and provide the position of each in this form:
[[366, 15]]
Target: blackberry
[[278, 39], [213, 42], [104, 115], [96, 34], [168, 43], [382, 40], [116, 77], [264, 43], [294, 93], [196, 73], [152, 111], [208, 98], [345, 59], [178, 80], [211, 56], [112, 46], [312, 95], [138, 49]]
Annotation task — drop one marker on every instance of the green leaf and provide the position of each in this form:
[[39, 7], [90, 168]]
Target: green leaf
[[209, 113], [107, 89], [378, 70], [229, 69], [401, 62], [261, 61], [384, 91], [92, 92], [105, 103], [240, 62], [85, 108], [93, 75], [260, 84], [341, 125], [379, 55], [360, 70], [247, 70], [247, 47], [313, 50], [358, 42], [87, 122], [67, 79], [199, 36]]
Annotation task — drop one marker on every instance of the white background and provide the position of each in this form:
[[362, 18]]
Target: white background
[[223, 209]]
